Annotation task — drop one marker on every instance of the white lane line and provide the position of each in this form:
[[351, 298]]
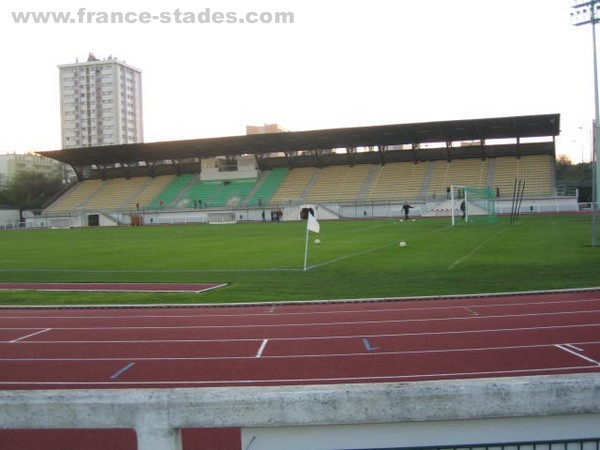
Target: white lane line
[[577, 349], [29, 335], [312, 324], [298, 356], [313, 313], [317, 337], [573, 352], [262, 348], [301, 380]]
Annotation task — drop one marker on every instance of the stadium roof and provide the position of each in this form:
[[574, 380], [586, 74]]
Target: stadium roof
[[372, 136]]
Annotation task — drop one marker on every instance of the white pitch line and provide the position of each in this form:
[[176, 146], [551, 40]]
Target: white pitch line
[[475, 250], [573, 352], [29, 335], [262, 348]]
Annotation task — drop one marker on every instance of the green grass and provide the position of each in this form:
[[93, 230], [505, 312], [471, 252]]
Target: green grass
[[263, 262]]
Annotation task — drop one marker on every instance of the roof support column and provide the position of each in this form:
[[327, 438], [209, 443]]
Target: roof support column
[[382, 153], [350, 151]]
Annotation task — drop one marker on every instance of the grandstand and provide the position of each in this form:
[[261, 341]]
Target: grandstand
[[379, 167]]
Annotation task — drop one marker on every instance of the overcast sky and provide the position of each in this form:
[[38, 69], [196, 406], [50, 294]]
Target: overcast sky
[[342, 63]]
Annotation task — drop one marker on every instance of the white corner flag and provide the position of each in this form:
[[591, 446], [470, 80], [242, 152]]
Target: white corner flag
[[312, 224]]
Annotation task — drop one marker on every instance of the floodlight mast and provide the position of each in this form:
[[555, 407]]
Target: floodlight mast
[[586, 12]]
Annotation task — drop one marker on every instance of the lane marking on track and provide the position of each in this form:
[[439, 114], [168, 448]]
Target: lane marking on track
[[318, 337], [361, 311], [312, 324], [296, 356], [576, 353], [413, 377], [261, 348], [122, 371], [473, 313], [577, 349], [368, 345], [14, 341]]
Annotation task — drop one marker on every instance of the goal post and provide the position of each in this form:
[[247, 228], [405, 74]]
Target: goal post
[[472, 205]]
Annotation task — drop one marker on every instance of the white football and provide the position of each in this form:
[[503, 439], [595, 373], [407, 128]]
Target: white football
[[317, 241], [402, 244]]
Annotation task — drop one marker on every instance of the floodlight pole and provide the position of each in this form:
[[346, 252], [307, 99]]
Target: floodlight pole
[[586, 12]]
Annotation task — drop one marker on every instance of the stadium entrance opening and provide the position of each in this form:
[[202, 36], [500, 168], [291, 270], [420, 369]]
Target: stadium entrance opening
[[93, 220], [304, 213]]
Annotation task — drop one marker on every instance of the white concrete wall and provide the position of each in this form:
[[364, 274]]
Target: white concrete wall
[[554, 405], [9, 218], [537, 205]]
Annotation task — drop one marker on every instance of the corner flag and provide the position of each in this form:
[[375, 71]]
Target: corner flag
[[312, 224]]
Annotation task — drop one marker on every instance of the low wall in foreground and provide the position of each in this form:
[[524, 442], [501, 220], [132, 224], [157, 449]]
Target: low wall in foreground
[[158, 415]]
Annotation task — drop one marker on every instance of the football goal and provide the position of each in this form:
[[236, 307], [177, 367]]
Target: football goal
[[224, 217], [472, 205]]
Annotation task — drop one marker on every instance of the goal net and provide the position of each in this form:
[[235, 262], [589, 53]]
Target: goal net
[[473, 205], [224, 217]]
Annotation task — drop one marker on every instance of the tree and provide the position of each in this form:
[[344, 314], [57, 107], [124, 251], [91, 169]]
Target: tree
[[31, 190], [571, 176], [564, 167]]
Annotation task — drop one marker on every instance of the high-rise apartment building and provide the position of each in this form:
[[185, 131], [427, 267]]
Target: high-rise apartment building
[[100, 103], [13, 164], [266, 128]]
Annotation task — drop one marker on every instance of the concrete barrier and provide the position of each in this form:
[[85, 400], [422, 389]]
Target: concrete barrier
[[158, 415]]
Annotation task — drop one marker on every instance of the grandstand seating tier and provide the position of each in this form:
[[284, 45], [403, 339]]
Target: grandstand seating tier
[[74, 197], [294, 185], [535, 171], [267, 188], [338, 183], [461, 172], [401, 181]]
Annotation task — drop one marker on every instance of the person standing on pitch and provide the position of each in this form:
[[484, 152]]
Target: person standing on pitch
[[406, 208]]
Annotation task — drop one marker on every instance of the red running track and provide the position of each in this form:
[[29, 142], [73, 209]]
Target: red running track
[[473, 337], [111, 287]]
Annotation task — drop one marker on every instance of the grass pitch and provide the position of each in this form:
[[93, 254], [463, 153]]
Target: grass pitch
[[264, 262]]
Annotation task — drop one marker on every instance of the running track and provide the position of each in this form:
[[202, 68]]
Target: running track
[[384, 341]]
